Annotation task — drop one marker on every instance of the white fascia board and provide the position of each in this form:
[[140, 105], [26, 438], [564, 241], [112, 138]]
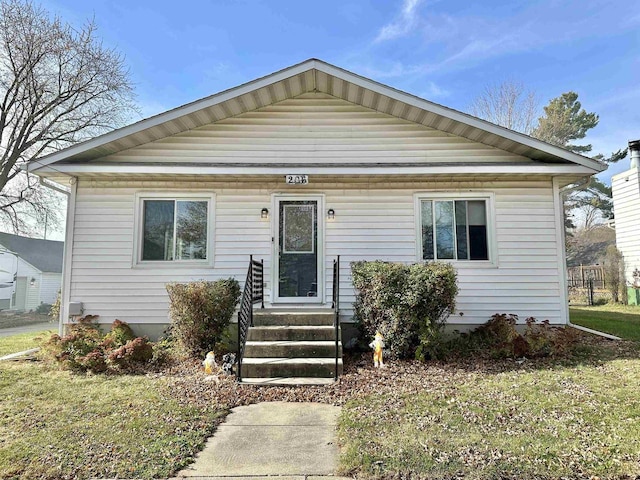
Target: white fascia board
[[175, 113], [315, 170], [459, 116]]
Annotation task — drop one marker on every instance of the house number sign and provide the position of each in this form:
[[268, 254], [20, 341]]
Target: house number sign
[[296, 179]]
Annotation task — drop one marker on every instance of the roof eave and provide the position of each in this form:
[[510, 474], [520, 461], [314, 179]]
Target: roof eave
[[328, 69]]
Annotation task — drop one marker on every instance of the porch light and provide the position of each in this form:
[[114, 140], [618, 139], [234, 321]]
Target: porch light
[[264, 213], [331, 214], [32, 282]]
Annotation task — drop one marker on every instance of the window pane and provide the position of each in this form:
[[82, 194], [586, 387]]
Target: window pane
[[157, 241], [444, 230], [191, 230], [427, 230], [478, 245], [461, 230]]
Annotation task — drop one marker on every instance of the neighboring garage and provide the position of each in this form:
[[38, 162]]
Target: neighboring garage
[[30, 271]]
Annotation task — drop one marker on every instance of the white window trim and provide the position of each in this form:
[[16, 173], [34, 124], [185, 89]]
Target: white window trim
[[138, 230], [488, 197]]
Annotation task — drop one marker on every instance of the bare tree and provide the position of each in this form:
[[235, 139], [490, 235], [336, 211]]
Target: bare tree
[[509, 105], [58, 86], [29, 208]]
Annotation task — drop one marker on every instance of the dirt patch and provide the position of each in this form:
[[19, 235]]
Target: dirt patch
[[11, 319]]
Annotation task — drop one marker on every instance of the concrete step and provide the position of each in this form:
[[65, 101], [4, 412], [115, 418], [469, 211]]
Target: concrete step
[[293, 381], [292, 349], [266, 318], [289, 367], [297, 333]]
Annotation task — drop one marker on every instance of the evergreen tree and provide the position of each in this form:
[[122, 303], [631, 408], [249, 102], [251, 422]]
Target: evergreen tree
[[565, 120]]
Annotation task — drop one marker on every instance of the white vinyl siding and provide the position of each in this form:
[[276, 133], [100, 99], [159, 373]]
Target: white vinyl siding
[[372, 221], [626, 204], [314, 129], [51, 284]]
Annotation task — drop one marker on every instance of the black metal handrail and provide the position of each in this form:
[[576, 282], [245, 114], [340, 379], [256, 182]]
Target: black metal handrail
[[252, 294], [335, 304]]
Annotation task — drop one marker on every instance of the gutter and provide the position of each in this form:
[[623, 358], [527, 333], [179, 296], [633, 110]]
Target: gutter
[[53, 186], [68, 243]]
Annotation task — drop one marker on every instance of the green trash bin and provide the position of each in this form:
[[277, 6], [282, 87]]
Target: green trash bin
[[634, 295]]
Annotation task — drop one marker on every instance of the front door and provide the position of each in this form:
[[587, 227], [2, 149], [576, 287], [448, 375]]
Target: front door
[[298, 249]]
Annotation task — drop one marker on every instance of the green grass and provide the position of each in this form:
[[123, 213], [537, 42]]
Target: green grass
[[56, 424], [580, 421], [620, 320], [22, 342]]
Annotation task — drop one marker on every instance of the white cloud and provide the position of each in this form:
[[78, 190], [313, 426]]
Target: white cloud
[[434, 91], [403, 24]]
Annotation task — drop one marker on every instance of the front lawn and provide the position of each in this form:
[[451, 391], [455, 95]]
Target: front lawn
[[57, 424], [22, 342], [620, 320], [513, 421], [479, 418]]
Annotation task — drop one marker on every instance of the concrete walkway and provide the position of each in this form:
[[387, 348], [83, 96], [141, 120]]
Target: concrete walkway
[[288, 440]]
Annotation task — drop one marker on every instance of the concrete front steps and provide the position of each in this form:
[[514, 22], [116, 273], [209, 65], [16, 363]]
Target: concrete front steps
[[291, 347]]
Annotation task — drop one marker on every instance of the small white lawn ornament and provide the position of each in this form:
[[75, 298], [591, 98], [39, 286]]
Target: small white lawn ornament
[[209, 363], [377, 345]]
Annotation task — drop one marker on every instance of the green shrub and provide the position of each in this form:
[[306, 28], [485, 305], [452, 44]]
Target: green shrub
[[43, 309], [407, 304], [200, 312]]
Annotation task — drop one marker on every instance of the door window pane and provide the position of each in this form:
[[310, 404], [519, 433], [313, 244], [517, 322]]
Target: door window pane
[[444, 230], [427, 230], [191, 230], [298, 226], [158, 230]]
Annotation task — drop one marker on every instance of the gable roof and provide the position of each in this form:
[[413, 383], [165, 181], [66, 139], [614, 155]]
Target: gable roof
[[314, 76], [45, 255]]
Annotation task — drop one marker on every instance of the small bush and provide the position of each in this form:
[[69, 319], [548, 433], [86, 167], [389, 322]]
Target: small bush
[[120, 334], [54, 312], [132, 353], [498, 338], [408, 304], [85, 349], [200, 313], [43, 309]]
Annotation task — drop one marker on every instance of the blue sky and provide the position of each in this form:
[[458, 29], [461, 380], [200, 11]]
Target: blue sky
[[444, 51]]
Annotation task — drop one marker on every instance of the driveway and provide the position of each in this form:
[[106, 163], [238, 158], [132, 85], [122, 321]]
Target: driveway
[[34, 327]]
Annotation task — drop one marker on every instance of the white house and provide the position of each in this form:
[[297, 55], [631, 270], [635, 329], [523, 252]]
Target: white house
[[382, 174], [30, 271], [625, 188]]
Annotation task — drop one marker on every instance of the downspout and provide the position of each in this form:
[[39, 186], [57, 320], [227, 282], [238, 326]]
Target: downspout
[[68, 244], [582, 183]]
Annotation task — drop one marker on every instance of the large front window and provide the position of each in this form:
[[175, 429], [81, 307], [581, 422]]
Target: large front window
[[454, 229], [174, 229]]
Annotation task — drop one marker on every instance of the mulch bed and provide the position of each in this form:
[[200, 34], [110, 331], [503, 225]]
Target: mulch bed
[[188, 382]]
